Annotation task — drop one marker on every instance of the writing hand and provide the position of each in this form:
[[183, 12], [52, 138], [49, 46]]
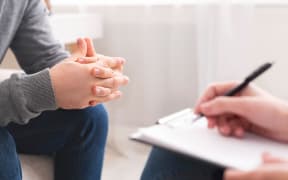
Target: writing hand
[[252, 110]]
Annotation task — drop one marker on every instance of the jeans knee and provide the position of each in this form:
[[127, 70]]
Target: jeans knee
[[9, 162], [96, 116], [7, 144], [94, 122], [6, 140]]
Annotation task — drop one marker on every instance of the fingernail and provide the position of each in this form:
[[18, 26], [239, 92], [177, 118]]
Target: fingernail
[[97, 71], [78, 41], [82, 42], [123, 60], [126, 79], [118, 94], [98, 91], [120, 61], [80, 60]]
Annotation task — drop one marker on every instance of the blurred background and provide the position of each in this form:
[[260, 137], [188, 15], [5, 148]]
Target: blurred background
[[174, 49]]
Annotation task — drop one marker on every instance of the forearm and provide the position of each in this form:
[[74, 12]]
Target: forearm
[[23, 97]]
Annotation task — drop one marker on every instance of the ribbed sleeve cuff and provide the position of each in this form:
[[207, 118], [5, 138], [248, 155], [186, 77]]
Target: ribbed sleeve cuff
[[37, 89]]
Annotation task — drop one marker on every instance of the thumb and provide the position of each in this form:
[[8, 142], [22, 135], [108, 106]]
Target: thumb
[[90, 47], [81, 48], [228, 105], [236, 175], [268, 159]]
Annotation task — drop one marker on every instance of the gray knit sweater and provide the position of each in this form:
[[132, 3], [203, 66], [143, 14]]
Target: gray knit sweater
[[25, 29]]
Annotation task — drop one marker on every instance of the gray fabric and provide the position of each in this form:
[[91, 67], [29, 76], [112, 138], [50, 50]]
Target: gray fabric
[[25, 29]]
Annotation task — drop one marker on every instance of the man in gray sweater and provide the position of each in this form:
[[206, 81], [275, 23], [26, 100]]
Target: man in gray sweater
[[38, 113]]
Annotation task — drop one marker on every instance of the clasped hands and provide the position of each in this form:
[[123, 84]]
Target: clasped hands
[[87, 79]]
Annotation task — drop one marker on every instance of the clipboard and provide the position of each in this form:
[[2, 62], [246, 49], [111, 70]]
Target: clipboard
[[178, 133]]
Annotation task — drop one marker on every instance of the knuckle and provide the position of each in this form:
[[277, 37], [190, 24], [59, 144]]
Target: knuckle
[[213, 85]]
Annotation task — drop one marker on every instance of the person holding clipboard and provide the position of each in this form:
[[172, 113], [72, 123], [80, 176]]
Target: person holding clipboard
[[250, 109]]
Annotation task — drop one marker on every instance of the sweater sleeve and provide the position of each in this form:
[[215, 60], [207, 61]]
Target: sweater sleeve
[[24, 97], [33, 44]]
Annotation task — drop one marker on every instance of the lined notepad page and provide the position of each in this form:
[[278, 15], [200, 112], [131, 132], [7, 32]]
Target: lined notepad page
[[195, 139]]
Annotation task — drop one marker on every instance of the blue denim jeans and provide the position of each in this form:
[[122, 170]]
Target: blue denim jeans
[[166, 165], [75, 138]]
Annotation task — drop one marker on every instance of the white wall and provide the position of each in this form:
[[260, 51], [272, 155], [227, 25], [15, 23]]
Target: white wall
[[270, 41]]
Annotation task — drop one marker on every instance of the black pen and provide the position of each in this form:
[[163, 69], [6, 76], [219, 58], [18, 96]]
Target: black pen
[[244, 84]]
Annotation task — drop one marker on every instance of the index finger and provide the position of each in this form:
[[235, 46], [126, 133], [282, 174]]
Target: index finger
[[214, 90]]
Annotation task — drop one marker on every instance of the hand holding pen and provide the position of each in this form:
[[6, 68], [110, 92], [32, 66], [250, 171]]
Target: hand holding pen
[[249, 110], [238, 88]]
